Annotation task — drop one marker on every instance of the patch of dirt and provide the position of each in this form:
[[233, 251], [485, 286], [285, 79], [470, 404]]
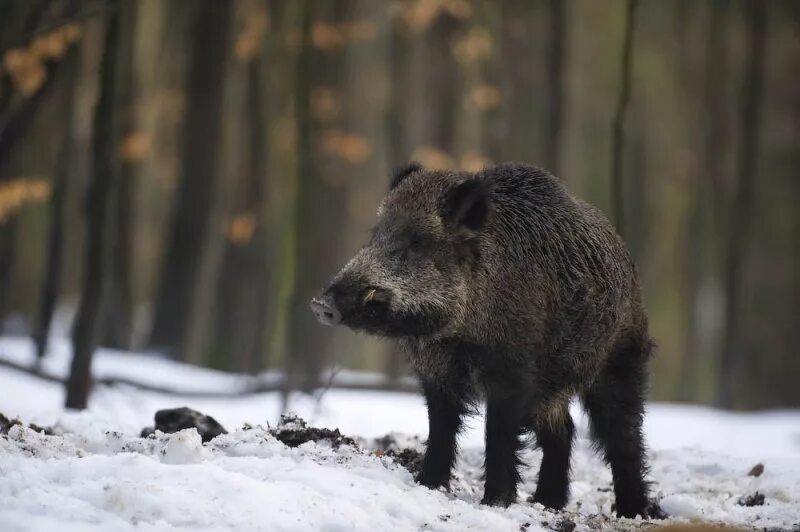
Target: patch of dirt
[[6, 424], [293, 431], [408, 457], [754, 499]]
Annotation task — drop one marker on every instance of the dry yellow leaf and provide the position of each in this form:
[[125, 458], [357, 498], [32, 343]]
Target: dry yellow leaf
[[51, 46], [420, 14], [16, 192], [347, 146], [134, 146], [359, 30], [433, 157], [72, 32], [326, 36], [241, 228], [484, 97], [26, 70], [474, 162], [254, 23], [476, 45], [325, 104]]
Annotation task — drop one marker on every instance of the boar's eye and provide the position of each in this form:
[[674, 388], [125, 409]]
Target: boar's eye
[[414, 249], [410, 251]]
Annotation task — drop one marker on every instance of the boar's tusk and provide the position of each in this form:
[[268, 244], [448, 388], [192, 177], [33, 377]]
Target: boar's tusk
[[369, 296]]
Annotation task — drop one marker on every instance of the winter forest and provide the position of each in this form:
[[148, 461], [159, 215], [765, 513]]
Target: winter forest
[[178, 179], [183, 176]]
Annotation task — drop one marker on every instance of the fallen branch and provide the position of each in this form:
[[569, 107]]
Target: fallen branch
[[256, 387]]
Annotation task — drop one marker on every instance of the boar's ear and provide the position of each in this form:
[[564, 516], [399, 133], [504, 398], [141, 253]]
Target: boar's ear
[[466, 204], [403, 171]]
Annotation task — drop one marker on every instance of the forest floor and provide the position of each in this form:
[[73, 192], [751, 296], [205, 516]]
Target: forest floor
[[94, 471]]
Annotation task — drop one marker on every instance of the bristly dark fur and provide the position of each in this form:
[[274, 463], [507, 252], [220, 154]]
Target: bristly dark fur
[[503, 287], [403, 171]]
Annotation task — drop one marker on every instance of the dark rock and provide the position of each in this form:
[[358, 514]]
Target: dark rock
[[6, 424], [38, 428], [756, 471], [411, 459], [177, 419], [754, 499]]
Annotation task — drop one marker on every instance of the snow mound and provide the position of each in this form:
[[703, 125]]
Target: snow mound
[[249, 479], [95, 473]]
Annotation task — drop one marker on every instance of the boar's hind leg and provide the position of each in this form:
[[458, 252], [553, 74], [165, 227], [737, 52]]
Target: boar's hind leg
[[445, 412], [615, 404], [554, 432], [504, 425]]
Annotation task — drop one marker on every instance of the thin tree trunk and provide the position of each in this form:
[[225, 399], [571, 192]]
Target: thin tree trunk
[[555, 68], [195, 196], [716, 133], [8, 237], [99, 227], [118, 319], [397, 105], [702, 226], [618, 128], [300, 348], [243, 293], [198, 344], [731, 359], [55, 244]]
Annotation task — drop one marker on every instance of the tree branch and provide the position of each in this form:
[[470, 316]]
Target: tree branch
[[257, 387]]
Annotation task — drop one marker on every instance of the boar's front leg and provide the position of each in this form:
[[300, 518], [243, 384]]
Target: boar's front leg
[[504, 425], [445, 411]]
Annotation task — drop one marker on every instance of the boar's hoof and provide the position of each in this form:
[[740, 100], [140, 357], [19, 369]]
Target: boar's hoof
[[651, 510], [502, 500], [549, 500], [432, 481], [654, 511]]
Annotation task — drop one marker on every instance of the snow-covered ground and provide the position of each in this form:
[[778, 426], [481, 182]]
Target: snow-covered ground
[[99, 475]]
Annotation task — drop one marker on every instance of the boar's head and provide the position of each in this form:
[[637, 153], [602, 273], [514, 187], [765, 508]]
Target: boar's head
[[412, 277]]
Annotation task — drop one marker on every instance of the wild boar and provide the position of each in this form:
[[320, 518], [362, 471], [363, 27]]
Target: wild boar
[[504, 288]]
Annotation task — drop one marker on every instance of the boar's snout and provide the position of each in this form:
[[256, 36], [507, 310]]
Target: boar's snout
[[325, 310]]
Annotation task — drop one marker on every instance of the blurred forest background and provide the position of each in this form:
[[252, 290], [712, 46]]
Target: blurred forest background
[[182, 176]]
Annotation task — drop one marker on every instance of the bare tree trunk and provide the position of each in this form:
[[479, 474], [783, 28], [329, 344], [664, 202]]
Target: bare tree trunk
[[243, 292], [19, 21], [198, 346], [555, 68], [194, 197], [731, 358], [17, 111], [55, 244], [117, 324], [297, 355], [618, 129], [716, 134], [99, 227], [8, 236], [397, 104], [320, 202], [701, 226]]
